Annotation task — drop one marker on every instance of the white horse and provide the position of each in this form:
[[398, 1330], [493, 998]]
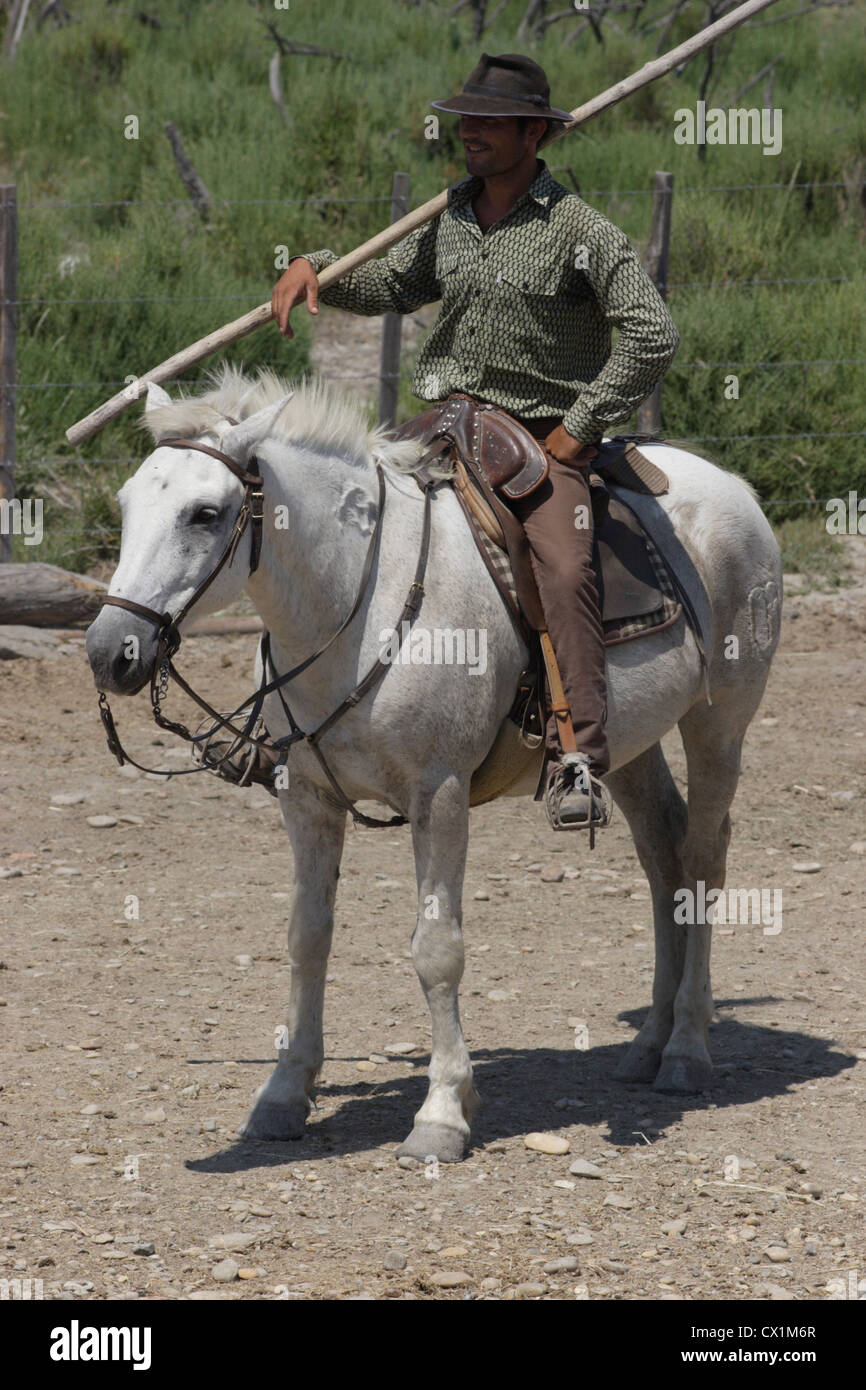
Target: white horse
[[416, 740]]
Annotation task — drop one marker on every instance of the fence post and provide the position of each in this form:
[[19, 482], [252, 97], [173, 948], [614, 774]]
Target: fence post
[[649, 415], [389, 362], [15, 26], [8, 327]]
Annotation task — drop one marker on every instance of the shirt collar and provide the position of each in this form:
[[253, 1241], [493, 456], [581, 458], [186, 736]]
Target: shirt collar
[[539, 190]]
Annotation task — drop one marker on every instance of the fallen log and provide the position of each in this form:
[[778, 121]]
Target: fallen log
[[47, 596]]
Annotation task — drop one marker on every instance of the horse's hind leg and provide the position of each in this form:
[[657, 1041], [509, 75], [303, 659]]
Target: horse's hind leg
[[647, 795], [440, 828], [316, 832], [713, 740]]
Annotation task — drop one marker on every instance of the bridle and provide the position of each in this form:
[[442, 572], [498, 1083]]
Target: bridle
[[251, 514], [251, 511]]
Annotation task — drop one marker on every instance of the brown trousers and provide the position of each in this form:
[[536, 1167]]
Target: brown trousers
[[562, 562]]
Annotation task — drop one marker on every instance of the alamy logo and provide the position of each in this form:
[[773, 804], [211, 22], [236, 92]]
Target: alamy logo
[[77, 1343], [732, 126], [852, 1287], [438, 646], [21, 518], [846, 518], [742, 906], [21, 1290]]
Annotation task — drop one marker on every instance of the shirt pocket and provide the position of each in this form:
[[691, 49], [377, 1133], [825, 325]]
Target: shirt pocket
[[526, 301], [447, 270], [543, 278]]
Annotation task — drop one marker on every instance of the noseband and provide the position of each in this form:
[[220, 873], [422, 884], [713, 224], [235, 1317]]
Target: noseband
[[169, 639]]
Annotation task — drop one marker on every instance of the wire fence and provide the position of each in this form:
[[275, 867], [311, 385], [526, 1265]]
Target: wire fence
[[762, 364], [48, 206], [255, 296]]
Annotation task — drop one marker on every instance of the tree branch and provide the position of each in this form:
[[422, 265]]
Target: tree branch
[[780, 19], [289, 48], [194, 184], [741, 92]]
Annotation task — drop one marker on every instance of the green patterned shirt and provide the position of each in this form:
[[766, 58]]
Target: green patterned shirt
[[527, 308]]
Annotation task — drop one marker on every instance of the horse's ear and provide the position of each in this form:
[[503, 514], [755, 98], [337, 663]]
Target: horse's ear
[[156, 397], [242, 439]]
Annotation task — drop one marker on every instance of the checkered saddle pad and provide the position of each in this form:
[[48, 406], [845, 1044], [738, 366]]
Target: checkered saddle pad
[[636, 592]]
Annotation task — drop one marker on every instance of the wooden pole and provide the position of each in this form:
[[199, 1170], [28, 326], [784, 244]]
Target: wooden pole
[[275, 86], [248, 323], [649, 415], [15, 27], [392, 328], [8, 332]]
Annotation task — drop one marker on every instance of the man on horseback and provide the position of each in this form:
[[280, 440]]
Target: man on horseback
[[531, 280]]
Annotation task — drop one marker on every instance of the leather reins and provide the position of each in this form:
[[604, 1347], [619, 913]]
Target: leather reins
[[169, 640]]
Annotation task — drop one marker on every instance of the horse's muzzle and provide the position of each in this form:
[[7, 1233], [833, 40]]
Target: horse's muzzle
[[121, 649]]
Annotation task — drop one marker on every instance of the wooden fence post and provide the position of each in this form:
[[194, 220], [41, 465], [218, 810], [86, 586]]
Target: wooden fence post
[[8, 328], [15, 27], [389, 362], [649, 415]]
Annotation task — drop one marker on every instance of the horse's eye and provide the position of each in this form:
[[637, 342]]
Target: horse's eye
[[205, 516]]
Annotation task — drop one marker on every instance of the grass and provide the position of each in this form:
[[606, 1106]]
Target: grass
[[809, 550], [110, 290]]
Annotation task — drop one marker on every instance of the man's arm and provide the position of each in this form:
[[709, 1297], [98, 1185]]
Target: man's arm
[[647, 342], [396, 283]]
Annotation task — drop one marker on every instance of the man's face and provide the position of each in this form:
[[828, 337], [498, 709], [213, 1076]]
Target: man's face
[[494, 144]]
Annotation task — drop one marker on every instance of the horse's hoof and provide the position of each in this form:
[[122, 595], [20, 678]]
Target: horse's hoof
[[683, 1075], [640, 1063], [441, 1142], [273, 1122]]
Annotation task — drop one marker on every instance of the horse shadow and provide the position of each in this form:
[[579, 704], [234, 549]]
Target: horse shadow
[[525, 1089]]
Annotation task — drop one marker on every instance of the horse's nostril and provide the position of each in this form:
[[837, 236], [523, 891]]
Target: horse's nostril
[[121, 666]]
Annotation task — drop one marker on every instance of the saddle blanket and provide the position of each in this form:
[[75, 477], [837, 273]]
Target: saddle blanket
[[632, 604]]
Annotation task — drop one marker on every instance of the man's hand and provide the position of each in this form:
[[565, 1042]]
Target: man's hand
[[564, 447], [298, 282]]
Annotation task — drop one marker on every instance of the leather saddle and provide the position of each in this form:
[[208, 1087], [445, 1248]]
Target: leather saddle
[[493, 453], [505, 453]]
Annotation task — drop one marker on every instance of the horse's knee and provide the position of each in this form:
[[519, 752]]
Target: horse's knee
[[704, 857], [437, 947]]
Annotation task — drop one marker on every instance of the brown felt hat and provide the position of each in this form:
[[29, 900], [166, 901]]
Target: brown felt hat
[[508, 85]]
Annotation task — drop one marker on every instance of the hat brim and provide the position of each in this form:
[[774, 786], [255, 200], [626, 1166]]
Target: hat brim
[[494, 106]]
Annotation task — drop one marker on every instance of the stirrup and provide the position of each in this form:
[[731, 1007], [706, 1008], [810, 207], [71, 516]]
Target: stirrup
[[241, 768], [576, 799]]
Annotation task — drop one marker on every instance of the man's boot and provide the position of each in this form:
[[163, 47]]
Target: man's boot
[[248, 764], [575, 798]]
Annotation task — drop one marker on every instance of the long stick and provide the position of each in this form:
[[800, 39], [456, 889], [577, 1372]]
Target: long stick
[[239, 328], [392, 324], [8, 331]]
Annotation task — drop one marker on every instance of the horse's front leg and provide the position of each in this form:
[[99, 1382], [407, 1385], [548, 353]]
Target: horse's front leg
[[440, 830], [316, 832]]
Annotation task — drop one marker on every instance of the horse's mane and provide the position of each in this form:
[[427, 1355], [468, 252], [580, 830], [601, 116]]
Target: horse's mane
[[318, 415]]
